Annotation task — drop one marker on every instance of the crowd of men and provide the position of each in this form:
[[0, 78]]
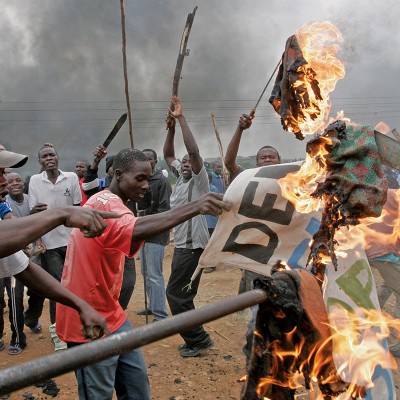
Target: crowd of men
[[89, 273], [94, 263]]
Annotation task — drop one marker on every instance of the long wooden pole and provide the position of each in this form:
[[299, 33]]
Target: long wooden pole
[[220, 148], [183, 52], [128, 103]]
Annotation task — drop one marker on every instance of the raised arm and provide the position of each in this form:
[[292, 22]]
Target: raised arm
[[17, 233], [188, 138], [151, 225], [169, 149], [99, 153], [233, 147], [90, 184]]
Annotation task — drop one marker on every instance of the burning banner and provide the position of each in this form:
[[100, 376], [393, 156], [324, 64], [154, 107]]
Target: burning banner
[[262, 229]]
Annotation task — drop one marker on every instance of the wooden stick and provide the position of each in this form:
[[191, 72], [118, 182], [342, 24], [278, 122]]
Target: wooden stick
[[218, 333], [221, 150], [396, 134], [182, 54], [128, 103]]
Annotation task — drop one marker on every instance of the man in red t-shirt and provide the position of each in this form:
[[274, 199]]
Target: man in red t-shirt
[[94, 269]]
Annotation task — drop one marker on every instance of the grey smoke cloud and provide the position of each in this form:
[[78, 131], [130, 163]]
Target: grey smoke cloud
[[62, 79]]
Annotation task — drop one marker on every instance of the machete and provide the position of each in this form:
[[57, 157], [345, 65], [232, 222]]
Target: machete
[[115, 130], [389, 150]]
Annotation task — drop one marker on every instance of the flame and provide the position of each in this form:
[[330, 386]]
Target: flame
[[318, 43], [388, 231], [382, 127], [357, 351], [297, 186], [357, 338]]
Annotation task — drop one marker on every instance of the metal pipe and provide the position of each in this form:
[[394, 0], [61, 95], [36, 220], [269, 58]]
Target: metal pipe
[[45, 368]]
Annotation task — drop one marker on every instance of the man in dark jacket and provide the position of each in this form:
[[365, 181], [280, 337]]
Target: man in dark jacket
[[152, 252]]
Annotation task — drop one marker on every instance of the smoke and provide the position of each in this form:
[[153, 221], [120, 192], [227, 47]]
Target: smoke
[[62, 78]]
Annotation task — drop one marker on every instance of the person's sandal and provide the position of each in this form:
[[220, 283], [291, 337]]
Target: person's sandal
[[14, 350], [37, 329], [2, 344]]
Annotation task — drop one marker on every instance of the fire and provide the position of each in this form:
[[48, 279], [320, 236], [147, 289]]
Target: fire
[[298, 186], [390, 218], [382, 127], [358, 338], [357, 350], [318, 43]]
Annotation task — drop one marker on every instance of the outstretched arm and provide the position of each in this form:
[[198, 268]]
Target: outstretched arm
[[17, 233], [233, 147], [151, 225], [42, 283], [188, 138]]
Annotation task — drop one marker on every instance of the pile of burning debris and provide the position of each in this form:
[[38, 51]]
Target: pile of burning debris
[[292, 344], [293, 340]]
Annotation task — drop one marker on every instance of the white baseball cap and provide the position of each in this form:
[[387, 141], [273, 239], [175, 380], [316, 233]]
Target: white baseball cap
[[8, 159]]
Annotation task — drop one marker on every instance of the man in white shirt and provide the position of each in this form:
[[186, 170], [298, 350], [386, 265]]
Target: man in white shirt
[[50, 189]]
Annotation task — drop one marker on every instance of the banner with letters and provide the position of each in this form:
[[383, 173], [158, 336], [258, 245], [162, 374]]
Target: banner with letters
[[263, 227]]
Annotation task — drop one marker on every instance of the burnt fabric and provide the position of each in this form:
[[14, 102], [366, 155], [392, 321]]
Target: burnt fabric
[[290, 96], [293, 316], [355, 185]]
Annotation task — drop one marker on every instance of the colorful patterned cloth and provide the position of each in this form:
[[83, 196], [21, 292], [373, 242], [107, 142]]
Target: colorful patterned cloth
[[355, 171]]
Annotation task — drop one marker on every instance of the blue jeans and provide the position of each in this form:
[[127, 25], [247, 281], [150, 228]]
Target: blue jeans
[[126, 373], [152, 254]]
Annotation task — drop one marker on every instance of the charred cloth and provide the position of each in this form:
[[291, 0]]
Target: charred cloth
[[290, 95], [292, 339], [355, 185]]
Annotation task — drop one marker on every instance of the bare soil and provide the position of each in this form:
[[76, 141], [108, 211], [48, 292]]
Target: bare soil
[[214, 375]]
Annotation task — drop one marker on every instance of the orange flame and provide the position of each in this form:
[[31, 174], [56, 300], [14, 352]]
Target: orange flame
[[297, 186], [357, 350], [318, 43], [388, 231], [382, 127], [357, 343]]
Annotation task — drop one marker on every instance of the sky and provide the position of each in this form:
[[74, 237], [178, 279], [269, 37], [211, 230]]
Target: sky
[[61, 77]]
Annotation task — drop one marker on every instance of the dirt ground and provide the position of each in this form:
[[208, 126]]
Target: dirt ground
[[214, 375]]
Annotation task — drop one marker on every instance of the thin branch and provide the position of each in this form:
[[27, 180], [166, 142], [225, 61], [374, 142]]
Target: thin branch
[[128, 103], [221, 151]]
